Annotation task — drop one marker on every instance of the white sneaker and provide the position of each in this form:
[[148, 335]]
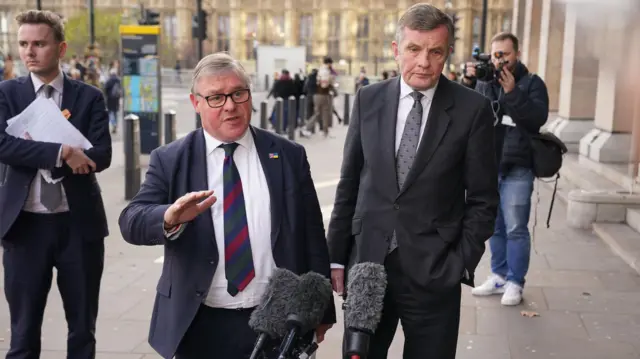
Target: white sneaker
[[512, 294], [493, 285]]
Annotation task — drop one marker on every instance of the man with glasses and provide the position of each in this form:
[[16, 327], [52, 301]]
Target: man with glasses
[[520, 106], [229, 202]]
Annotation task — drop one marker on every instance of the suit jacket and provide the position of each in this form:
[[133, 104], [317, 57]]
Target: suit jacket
[[21, 159], [297, 235], [447, 207]]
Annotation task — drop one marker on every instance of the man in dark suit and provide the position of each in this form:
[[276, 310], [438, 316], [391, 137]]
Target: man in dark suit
[[51, 210], [418, 189], [230, 203]]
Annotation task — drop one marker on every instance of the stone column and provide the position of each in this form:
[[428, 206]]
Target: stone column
[[236, 45], [551, 46], [578, 84], [531, 38], [291, 25], [320, 33], [517, 20], [610, 140], [184, 14]]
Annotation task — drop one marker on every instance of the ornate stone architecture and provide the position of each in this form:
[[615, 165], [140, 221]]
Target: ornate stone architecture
[[354, 32]]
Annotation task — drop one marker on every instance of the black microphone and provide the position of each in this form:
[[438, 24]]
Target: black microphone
[[367, 283], [269, 318], [306, 309]]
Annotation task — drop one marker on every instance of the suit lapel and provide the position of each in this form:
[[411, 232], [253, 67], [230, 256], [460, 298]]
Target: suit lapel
[[273, 172], [387, 119], [437, 124], [27, 93], [198, 180], [69, 95]]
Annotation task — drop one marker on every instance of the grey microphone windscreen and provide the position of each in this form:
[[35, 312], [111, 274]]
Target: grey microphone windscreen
[[311, 300], [366, 286], [270, 315]]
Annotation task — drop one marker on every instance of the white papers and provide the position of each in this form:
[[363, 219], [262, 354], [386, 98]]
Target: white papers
[[508, 121], [44, 121]]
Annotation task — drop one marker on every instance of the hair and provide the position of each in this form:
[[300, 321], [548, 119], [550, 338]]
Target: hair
[[218, 63], [49, 18], [424, 17], [507, 36]]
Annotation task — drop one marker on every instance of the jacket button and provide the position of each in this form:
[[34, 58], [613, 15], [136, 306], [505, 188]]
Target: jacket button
[[396, 206], [198, 294]]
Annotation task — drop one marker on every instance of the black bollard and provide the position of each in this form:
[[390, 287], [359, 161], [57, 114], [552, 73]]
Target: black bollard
[[292, 120], [266, 82], [303, 110], [347, 110], [263, 115], [198, 121], [131, 156], [169, 127], [279, 116]]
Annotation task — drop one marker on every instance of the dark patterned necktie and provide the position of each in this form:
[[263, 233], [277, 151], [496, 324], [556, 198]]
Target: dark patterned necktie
[[238, 257], [50, 193], [407, 149]]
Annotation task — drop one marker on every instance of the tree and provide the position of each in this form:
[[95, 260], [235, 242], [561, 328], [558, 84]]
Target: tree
[[107, 34]]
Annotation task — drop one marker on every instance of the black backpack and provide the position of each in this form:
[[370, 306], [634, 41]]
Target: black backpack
[[547, 152]]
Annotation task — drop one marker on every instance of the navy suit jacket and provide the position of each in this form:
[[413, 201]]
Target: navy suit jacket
[[20, 159], [297, 234]]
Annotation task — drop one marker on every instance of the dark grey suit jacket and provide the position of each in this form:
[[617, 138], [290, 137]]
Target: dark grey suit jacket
[[447, 208]]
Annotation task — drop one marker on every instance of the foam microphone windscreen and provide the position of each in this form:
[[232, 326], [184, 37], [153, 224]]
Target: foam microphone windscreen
[[366, 286], [311, 300], [270, 315]]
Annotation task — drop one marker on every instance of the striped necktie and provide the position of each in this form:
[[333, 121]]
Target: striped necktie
[[238, 257]]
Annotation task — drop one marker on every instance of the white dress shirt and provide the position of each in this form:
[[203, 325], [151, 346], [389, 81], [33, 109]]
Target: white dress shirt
[[33, 204], [258, 208], [404, 107]]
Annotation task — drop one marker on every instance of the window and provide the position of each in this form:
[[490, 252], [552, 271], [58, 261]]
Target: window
[[277, 26], [389, 31], [333, 37], [224, 32], [306, 31], [250, 40], [362, 38], [506, 23]]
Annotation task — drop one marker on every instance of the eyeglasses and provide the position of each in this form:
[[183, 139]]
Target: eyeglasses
[[219, 99]]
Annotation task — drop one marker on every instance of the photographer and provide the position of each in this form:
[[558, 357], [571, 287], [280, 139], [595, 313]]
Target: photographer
[[520, 106]]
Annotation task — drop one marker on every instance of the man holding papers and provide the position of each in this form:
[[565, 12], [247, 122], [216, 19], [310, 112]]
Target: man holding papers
[[51, 210]]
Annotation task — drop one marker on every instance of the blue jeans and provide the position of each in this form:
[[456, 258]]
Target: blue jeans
[[511, 241], [113, 118]]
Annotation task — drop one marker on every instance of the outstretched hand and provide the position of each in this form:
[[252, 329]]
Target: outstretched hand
[[188, 207]]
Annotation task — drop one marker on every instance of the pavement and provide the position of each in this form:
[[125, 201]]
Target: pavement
[[586, 299]]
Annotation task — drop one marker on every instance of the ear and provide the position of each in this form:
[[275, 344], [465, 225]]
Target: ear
[[396, 50], [62, 49], [194, 102]]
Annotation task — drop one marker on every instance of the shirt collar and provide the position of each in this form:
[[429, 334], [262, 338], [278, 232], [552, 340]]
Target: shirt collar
[[406, 90], [212, 143], [57, 83]]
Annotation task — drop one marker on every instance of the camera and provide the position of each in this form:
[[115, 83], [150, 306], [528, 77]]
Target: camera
[[485, 70]]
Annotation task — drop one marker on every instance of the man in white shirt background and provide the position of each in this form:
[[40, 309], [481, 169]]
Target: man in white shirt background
[[230, 203]]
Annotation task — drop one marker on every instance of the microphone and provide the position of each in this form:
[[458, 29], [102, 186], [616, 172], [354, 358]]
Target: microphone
[[367, 283], [306, 309], [268, 318]]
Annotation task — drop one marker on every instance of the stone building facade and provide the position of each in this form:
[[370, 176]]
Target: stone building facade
[[358, 32]]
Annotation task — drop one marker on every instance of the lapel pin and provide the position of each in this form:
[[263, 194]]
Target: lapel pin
[[66, 113], [273, 155]]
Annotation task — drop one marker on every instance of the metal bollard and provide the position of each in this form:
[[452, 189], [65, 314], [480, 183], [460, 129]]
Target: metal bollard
[[198, 121], [131, 156], [292, 120], [347, 109], [169, 126], [263, 115], [303, 110], [279, 116], [266, 82]]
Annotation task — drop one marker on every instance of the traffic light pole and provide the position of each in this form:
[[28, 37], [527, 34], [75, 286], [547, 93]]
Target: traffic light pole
[[483, 27], [199, 41], [92, 33]]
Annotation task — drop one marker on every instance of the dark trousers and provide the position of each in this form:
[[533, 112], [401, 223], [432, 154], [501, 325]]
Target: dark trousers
[[430, 320], [35, 244], [218, 333]]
